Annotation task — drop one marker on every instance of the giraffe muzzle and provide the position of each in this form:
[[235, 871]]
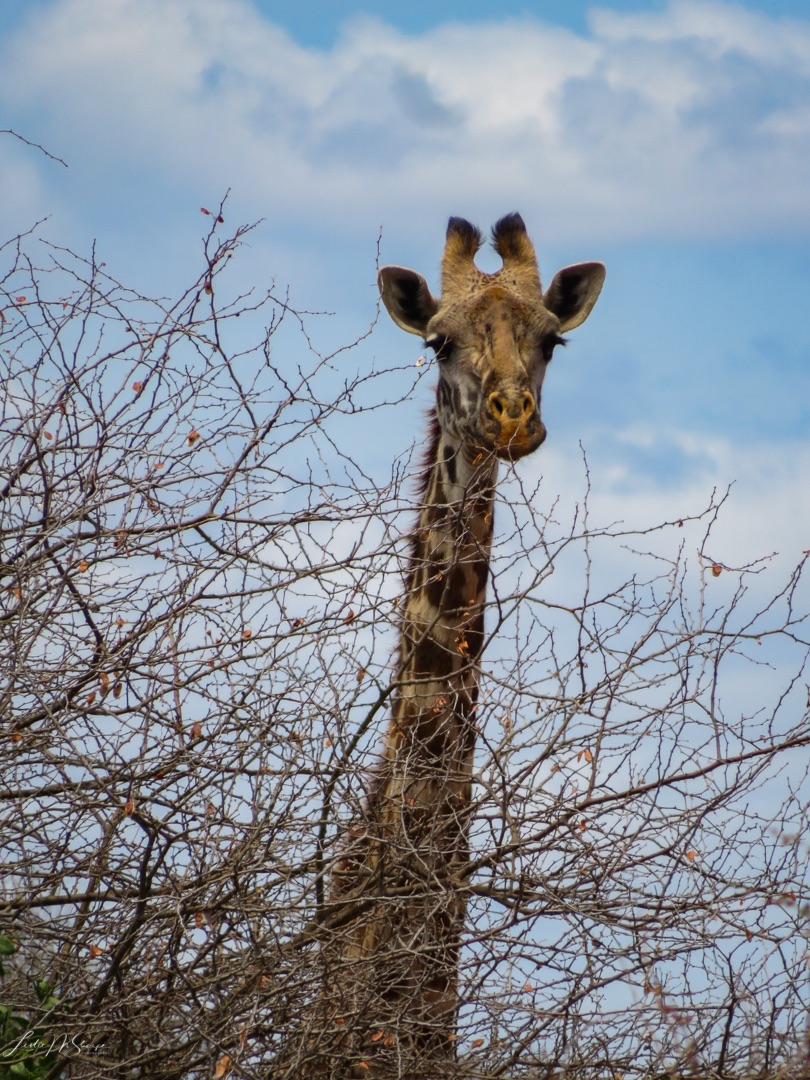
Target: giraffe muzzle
[[518, 427]]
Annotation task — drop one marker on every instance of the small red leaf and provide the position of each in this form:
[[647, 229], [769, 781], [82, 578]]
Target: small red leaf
[[204, 211]]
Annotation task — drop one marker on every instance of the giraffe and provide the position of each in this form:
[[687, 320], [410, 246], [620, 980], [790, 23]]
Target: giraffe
[[392, 961]]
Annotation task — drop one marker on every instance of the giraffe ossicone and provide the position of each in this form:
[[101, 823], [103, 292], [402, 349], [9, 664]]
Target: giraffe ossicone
[[400, 888]]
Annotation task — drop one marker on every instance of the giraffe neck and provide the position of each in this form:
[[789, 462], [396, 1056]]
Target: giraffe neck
[[402, 957], [442, 629]]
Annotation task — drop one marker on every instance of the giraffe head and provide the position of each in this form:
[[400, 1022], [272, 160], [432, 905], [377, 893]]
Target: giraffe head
[[493, 334]]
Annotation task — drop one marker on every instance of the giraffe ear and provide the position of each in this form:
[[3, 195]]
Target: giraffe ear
[[574, 291], [407, 297]]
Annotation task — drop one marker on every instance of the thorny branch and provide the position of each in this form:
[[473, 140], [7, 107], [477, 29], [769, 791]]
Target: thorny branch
[[200, 574]]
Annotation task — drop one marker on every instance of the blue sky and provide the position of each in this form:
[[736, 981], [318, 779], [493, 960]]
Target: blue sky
[[670, 139]]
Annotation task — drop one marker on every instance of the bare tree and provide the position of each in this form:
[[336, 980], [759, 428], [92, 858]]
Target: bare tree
[[201, 580]]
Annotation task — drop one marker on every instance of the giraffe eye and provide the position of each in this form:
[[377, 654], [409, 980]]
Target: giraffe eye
[[441, 345], [549, 344]]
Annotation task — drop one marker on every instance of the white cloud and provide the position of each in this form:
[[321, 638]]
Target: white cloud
[[766, 513], [691, 121]]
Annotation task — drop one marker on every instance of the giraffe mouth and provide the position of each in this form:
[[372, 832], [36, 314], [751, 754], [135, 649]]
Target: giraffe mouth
[[510, 445]]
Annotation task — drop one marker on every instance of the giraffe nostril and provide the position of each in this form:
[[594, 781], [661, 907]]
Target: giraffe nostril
[[497, 405], [518, 407]]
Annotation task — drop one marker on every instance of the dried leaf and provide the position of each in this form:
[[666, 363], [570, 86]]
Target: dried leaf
[[137, 387], [690, 856], [129, 806], [361, 674], [95, 950], [476, 1042], [349, 617], [48, 435], [199, 920], [363, 1065], [247, 633], [196, 729], [377, 1036], [104, 680], [204, 211], [389, 1040], [83, 566], [419, 361], [223, 1066], [192, 437], [717, 569]]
